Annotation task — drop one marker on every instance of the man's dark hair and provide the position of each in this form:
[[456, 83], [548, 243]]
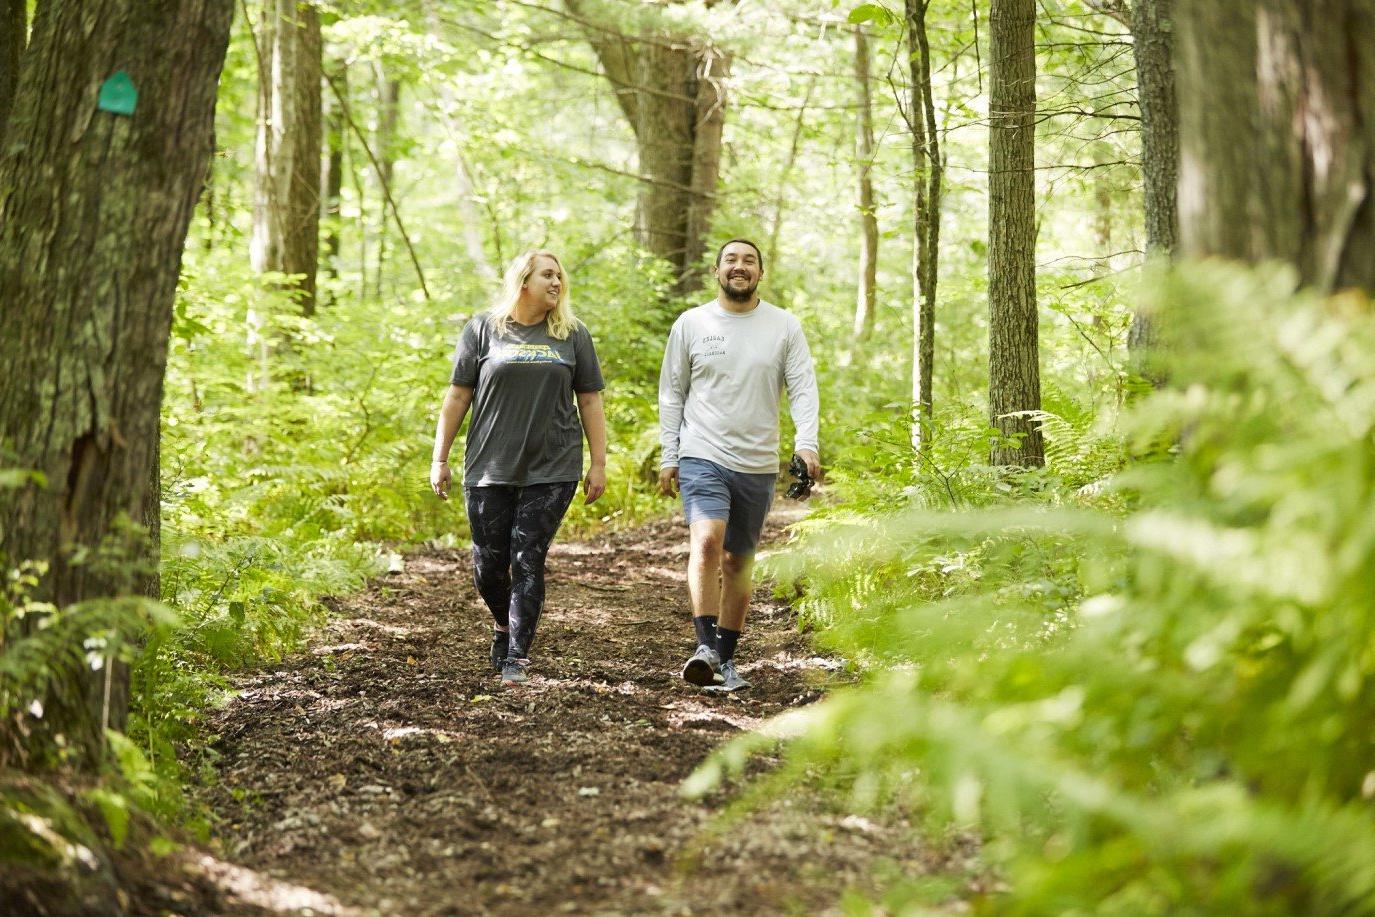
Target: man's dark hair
[[722, 250]]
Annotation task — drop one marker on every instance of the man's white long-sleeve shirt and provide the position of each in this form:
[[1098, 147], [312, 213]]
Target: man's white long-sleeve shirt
[[721, 382]]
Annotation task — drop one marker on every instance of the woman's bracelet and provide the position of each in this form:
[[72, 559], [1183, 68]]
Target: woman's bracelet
[[439, 461]]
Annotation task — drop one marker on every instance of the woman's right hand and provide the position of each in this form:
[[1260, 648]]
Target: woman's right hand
[[439, 479]]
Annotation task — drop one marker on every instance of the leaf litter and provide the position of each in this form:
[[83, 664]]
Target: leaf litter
[[404, 779]]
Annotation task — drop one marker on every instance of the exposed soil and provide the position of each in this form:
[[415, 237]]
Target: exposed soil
[[387, 771]]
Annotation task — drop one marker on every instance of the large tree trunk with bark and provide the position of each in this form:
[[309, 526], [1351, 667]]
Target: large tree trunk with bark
[[286, 205], [1277, 135], [1153, 46], [1152, 26], [708, 89], [1014, 372], [94, 210], [929, 176], [678, 134], [868, 219], [14, 31], [672, 91]]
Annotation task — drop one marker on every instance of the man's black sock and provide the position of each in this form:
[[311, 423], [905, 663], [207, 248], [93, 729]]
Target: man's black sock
[[725, 642], [705, 625]]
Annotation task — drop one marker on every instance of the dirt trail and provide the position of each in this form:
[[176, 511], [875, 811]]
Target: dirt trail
[[386, 771]]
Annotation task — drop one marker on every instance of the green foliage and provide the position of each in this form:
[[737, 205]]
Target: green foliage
[[295, 450], [51, 656], [1157, 706], [58, 837], [41, 830], [872, 12]]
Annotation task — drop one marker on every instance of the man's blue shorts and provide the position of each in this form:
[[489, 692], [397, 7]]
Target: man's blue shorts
[[713, 492]]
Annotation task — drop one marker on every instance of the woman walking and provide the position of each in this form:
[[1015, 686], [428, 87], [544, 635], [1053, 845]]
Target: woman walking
[[529, 370]]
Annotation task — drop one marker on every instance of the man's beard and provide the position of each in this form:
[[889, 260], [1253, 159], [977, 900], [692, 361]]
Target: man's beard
[[734, 295]]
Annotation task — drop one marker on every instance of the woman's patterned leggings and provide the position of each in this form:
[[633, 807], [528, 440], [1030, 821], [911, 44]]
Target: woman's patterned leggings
[[512, 530]]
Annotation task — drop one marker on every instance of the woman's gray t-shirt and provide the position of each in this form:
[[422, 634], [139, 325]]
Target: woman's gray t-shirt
[[524, 428]]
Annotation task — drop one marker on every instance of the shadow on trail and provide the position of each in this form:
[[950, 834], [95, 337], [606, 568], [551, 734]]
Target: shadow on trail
[[388, 771]]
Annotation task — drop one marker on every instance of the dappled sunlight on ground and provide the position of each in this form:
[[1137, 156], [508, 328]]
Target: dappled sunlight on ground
[[583, 684], [577, 549], [725, 712], [396, 774], [273, 895], [367, 624], [340, 648], [785, 661]]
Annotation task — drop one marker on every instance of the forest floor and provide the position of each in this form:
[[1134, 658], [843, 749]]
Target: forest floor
[[386, 770]]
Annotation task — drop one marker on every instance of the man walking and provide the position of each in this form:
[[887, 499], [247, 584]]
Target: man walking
[[724, 369]]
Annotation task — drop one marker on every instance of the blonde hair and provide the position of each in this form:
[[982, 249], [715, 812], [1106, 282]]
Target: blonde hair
[[561, 319]]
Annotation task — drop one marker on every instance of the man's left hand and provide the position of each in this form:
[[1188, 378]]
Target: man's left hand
[[813, 463]]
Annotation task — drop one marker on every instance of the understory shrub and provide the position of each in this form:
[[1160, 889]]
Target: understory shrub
[[1149, 697]]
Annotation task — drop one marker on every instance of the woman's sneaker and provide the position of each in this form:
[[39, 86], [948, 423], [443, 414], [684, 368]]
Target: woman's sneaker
[[501, 641], [730, 679], [704, 668], [513, 672]]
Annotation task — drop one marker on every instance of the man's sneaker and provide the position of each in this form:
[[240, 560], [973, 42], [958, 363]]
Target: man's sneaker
[[704, 668], [501, 641], [513, 672], [730, 680]]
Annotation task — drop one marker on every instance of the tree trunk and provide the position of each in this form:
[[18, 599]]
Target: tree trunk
[[94, 211], [868, 221], [708, 88], [780, 199], [1014, 373], [472, 220], [471, 216], [336, 139], [14, 31], [286, 212], [1277, 135], [664, 133], [1103, 186], [678, 132], [384, 143], [926, 217], [1152, 25], [209, 200], [672, 91]]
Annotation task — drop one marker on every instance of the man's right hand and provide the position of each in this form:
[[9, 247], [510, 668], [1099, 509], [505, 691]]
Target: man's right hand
[[668, 481]]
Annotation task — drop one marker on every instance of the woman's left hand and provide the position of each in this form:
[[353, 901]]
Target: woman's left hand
[[594, 485]]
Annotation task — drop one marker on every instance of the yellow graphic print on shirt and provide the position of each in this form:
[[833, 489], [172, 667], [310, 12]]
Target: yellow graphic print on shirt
[[529, 353]]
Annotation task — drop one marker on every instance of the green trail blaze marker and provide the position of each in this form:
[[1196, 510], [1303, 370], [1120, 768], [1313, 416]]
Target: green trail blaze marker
[[118, 95]]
